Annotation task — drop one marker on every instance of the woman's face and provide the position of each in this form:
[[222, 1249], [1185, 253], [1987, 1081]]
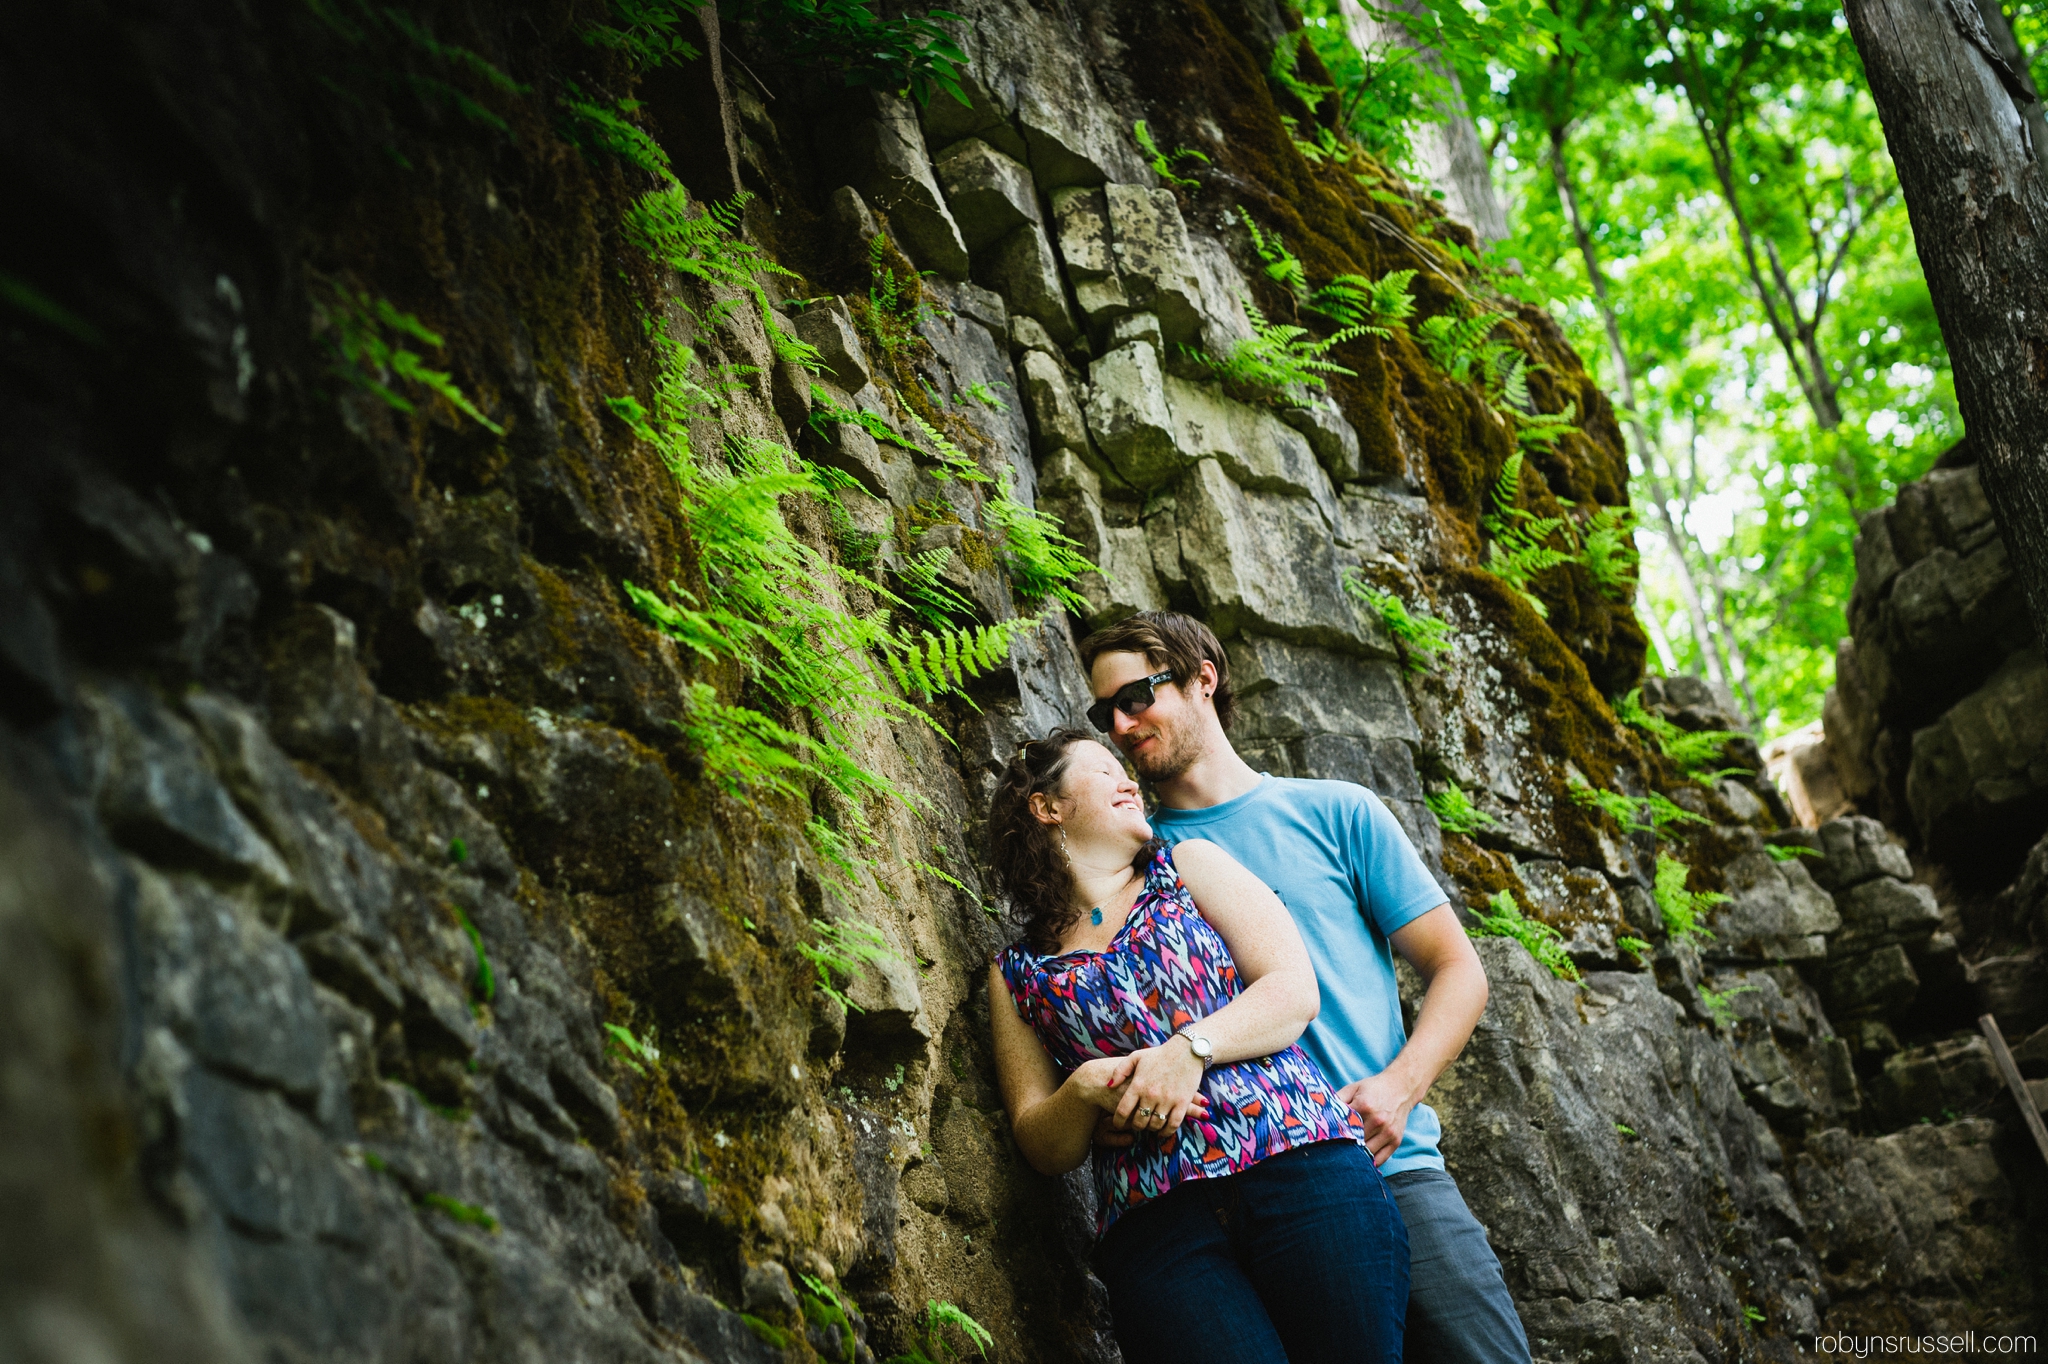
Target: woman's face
[[1097, 802]]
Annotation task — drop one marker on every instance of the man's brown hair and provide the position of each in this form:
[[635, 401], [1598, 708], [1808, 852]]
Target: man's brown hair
[[1169, 641]]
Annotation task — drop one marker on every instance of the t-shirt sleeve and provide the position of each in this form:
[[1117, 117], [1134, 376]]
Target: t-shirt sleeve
[[1395, 886]]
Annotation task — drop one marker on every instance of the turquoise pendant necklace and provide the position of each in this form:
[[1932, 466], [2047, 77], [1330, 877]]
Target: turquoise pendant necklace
[[1095, 916]]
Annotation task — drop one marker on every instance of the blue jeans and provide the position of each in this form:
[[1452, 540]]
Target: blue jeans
[[1299, 1259], [1459, 1311]]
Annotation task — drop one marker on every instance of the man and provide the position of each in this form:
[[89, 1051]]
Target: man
[[1354, 884]]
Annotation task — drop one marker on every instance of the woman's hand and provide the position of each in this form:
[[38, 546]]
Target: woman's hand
[[1163, 1087], [1100, 1082]]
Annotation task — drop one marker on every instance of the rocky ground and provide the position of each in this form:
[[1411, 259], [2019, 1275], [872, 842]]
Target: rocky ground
[[380, 977]]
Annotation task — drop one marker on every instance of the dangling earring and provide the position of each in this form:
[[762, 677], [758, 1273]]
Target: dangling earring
[[1065, 851]]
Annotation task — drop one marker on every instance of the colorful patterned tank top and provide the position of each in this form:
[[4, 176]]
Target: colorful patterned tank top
[[1165, 968]]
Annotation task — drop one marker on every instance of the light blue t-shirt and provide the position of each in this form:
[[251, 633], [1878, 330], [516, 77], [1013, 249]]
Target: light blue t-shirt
[[1347, 873]]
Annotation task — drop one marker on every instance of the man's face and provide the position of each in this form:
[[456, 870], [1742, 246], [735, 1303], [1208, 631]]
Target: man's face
[[1164, 739]]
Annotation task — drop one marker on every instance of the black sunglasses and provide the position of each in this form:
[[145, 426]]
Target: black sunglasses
[[1131, 698]]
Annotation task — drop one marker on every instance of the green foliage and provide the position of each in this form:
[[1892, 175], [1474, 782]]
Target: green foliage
[[930, 664], [1379, 307], [910, 54], [1680, 907], [932, 1346], [1521, 540], [1421, 636], [768, 1333], [1617, 807], [612, 129], [1282, 71], [1634, 814], [1282, 266], [929, 598], [706, 245], [367, 24], [825, 412], [1791, 852], [636, 1053], [823, 1307], [458, 851], [1455, 813], [1163, 162], [894, 309], [648, 32], [1606, 552], [366, 341], [842, 948], [1718, 1003], [1695, 751], [1278, 360], [1545, 943], [1042, 560], [1635, 947], [483, 985], [469, 1214], [986, 396], [953, 461]]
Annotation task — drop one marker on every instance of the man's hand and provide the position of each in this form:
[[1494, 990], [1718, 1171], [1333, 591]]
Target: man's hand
[[1383, 1103]]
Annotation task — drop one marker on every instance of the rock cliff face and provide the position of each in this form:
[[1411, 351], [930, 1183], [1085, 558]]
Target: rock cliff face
[[388, 973]]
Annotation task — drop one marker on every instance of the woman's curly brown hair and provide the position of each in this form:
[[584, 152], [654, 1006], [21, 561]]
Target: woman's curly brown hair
[[1025, 853]]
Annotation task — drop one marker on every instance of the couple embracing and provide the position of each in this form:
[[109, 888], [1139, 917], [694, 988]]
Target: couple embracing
[[1203, 1001]]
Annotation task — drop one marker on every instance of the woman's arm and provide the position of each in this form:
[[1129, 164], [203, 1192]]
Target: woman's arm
[[1280, 997], [1052, 1119]]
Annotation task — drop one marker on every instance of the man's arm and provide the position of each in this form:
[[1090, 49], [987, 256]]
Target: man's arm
[[1453, 995]]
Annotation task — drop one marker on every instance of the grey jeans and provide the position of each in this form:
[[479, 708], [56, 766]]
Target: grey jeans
[[1459, 1311]]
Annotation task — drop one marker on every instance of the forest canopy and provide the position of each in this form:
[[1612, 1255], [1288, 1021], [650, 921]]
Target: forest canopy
[[1732, 187]]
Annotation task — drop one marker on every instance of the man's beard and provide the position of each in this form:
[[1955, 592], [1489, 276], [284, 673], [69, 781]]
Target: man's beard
[[1166, 758]]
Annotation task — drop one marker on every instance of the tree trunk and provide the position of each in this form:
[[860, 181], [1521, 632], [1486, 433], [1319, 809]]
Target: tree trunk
[[1956, 118], [1449, 152]]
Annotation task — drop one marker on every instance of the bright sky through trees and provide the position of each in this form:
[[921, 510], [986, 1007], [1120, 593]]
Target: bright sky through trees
[[1731, 178]]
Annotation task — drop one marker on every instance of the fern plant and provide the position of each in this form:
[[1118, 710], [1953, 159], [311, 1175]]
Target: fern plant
[[646, 32], [929, 665], [928, 597], [1681, 908], [1605, 550], [1455, 813], [953, 461], [1421, 636], [1520, 549], [765, 607], [843, 947], [824, 1308], [1381, 307], [612, 130], [1282, 266], [707, 246], [931, 1345], [1720, 1004], [894, 309], [1277, 360], [366, 340], [1695, 751], [1042, 560], [1163, 161], [1544, 943], [1283, 72]]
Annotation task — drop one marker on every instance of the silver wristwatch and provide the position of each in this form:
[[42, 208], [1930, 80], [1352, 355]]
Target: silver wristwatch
[[1199, 1045]]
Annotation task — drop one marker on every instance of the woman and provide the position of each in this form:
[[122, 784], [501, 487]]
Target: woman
[[1166, 988]]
